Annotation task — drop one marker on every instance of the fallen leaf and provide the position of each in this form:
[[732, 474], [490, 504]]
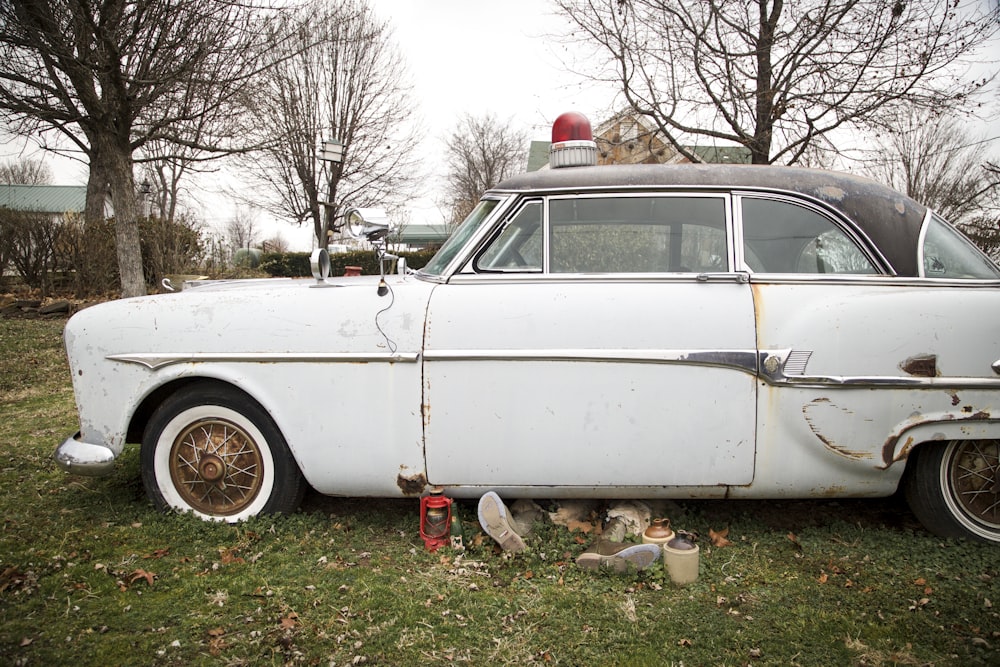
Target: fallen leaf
[[720, 539], [920, 582], [823, 578], [216, 632], [142, 574], [26, 641], [216, 646], [159, 553], [794, 539], [582, 526], [229, 557], [685, 643], [289, 622]]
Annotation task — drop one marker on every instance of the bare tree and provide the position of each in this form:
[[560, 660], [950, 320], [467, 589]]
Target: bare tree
[[340, 76], [935, 160], [113, 75], [25, 172], [480, 153], [772, 75], [275, 244], [243, 228]]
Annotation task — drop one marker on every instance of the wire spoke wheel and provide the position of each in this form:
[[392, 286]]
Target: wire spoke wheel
[[216, 467], [215, 452], [971, 472]]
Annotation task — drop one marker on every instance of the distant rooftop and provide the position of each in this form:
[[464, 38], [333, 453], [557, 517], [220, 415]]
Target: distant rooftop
[[423, 235], [538, 155], [44, 198]]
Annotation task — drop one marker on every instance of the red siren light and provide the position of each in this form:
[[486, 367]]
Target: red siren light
[[572, 142]]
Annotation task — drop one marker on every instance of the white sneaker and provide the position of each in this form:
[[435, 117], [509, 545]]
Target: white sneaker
[[495, 520], [619, 556]]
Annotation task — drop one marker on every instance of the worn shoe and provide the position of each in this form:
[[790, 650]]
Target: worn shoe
[[495, 520], [618, 556]]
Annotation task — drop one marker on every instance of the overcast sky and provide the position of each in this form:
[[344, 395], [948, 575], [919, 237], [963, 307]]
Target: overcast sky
[[479, 57]]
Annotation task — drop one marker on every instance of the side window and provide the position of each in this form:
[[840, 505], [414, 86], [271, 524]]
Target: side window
[[782, 237], [637, 234], [519, 245], [948, 254]]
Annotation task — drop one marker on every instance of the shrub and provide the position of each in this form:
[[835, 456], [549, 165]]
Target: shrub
[[296, 264], [29, 241]]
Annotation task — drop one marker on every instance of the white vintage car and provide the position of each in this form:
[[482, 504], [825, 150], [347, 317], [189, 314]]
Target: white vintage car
[[645, 331]]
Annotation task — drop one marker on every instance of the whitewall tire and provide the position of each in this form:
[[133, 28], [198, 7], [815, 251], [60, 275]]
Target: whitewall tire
[[216, 453]]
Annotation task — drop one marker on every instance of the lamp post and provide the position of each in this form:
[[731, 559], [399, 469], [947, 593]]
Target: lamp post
[[332, 152], [145, 190]]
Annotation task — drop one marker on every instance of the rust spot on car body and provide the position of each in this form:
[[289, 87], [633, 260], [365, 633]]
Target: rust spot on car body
[[921, 365], [824, 403], [411, 485], [892, 451]]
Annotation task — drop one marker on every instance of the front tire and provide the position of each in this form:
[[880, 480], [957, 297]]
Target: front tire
[[215, 452], [954, 488]]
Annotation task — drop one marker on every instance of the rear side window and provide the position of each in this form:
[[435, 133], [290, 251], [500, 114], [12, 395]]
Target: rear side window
[[637, 234], [783, 237], [948, 254]]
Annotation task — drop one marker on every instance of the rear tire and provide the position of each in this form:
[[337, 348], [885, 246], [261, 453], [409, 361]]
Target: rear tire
[[954, 488], [215, 452]]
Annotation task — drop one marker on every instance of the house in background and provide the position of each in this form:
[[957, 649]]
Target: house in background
[[420, 236], [631, 139], [51, 199]]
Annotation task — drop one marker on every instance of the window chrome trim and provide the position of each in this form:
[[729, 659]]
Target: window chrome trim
[[921, 237], [850, 229], [498, 229], [605, 278], [462, 258], [728, 225]]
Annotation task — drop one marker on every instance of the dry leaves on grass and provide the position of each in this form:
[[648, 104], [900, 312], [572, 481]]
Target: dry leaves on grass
[[140, 574], [720, 539]]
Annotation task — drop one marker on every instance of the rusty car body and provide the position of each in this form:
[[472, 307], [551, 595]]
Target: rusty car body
[[689, 331]]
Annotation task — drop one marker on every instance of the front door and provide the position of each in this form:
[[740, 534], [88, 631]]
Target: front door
[[596, 342]]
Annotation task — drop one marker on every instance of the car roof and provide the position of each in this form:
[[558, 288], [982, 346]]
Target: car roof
[[890, 219]]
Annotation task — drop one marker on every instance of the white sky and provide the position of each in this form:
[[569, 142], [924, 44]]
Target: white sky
[[477, 57]]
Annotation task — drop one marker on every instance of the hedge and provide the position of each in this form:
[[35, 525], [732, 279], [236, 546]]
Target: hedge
[[296, 264]]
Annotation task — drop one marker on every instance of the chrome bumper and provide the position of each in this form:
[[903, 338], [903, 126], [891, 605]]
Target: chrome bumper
[[84, 458]]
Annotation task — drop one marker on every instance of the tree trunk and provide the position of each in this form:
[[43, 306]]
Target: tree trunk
[[97, 192], [133, 282]]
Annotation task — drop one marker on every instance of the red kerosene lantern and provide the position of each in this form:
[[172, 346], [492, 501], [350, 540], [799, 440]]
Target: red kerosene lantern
[[435, 519]]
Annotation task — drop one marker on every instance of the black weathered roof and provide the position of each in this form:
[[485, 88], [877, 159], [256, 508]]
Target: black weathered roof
[[890, 219]]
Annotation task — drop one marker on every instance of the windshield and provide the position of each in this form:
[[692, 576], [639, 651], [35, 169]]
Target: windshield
[[949, 254], [459, 237]]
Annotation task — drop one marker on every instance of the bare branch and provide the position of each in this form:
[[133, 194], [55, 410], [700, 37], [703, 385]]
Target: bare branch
[[774, 76]]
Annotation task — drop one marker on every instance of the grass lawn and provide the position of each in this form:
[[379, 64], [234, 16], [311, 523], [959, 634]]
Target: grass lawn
[[90, 574]]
